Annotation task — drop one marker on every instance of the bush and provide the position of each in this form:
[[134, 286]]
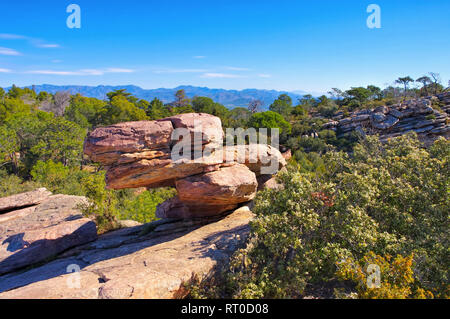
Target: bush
[[58, 178], [387, 199], [142, 207], [395, 278], [13, 184]]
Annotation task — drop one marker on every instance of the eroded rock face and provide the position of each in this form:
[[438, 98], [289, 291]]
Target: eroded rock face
[[175, 208], [33, 234], [209, 178], [415, 115], [259, 158], [228, 185], [128, 141], [23, 200], [129, 264], [205, 125]]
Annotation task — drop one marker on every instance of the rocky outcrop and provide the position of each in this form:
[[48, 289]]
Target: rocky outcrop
[[390, 121], [211, 193], [200, 228], [23, 200], [210, 178], [148, 261], [35, 233]]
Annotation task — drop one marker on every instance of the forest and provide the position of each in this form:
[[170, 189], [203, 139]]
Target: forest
[[346, 202]]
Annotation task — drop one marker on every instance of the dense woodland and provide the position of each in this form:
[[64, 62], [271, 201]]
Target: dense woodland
[[346, 202]]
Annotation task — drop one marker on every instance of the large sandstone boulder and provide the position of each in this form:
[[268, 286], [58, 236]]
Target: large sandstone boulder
[[229, 185], [33, 234], [206, 126], [159, 171], [130, 263], [138, 154], [262, 159], [190, 155], [127, 141], [175, 208], [211, 193]]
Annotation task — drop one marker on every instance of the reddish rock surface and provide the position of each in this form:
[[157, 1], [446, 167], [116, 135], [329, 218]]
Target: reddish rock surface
[[23, 200], [32, 234], [108, 144], [229, 185], [209, 182]]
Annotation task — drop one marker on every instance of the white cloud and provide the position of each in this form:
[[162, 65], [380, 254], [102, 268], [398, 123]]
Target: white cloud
[[118, 70], [33, 41], [9, 36], [264, 75], [199, 56], [53, 72], [221, 75], [168, 71], [233, 68], [4, 70], [91, 72], [47, 46], [82, 72], [8, 51]]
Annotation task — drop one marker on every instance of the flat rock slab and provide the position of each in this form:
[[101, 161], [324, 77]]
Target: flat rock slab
[[33, 234], [23, 200], [152, 266]]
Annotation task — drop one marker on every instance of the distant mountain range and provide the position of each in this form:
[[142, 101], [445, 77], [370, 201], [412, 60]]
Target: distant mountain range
[[229, 98]]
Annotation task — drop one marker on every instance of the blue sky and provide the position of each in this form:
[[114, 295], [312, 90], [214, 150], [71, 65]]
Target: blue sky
[[283, 45]]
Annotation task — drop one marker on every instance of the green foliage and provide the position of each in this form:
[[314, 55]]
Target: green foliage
[[41, 136], [58, 178], [156, 110], [396, 278], [387, 199], [103, 202], [282, 105], [85, 111], [142, 207], [269, 119], [13, 184], [207, 105], [120, 109]]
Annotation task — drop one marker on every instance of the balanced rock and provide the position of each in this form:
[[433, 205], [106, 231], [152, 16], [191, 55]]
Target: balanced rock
[[210, 178]]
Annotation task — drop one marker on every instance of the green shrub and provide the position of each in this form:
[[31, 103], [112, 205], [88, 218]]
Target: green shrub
[[58, 178], [387, 199], [13, 184], [142, 207]]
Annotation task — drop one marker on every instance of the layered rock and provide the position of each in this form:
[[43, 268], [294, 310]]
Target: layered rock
[[23, 200], [35, 233], [149, 261], [189, 155], [390, 121], [211, 193]]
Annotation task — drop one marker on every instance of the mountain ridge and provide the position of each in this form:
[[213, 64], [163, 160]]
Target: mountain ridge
[[229, 98]]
